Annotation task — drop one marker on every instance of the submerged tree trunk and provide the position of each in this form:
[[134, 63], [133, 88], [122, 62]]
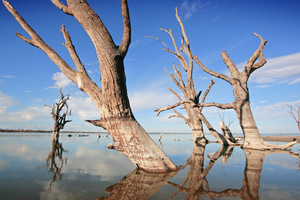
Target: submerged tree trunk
[[111, 100]]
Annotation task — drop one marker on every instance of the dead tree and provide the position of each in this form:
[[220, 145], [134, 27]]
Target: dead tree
[[241, 104], [57, 115], [111, 99], [295, 114], [191, 98], [225, 128]]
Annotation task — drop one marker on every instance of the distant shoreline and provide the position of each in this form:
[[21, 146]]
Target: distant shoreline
[[266, 137]]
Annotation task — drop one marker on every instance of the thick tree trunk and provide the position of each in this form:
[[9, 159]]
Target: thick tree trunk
[[132, 140], [252, 138], [111, 100]]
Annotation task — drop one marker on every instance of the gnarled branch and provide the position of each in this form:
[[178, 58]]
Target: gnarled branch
[[159, 110], [251, 66]]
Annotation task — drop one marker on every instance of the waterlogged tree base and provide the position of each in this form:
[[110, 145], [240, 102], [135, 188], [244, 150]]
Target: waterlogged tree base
[[133, 141]]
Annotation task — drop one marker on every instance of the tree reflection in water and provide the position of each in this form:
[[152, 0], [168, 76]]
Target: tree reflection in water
[[142, 185], [51, 162]]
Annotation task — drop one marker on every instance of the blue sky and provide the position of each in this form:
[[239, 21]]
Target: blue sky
[[28, 77]]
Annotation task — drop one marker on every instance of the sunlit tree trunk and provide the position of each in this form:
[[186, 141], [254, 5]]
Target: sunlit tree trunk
[[111, 99]]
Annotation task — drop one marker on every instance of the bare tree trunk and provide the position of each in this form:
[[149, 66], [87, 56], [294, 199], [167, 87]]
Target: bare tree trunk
[[111, 100], [252, 136], [241, 104]]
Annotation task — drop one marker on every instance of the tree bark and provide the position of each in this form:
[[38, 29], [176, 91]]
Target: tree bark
[[112, 99]]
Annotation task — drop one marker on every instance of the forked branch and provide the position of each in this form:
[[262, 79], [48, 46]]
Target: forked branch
[[37, 41]]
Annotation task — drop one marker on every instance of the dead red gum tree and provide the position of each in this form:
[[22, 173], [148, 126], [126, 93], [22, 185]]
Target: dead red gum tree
[[239, 83], [111, 99], [241, 104], [59, 117], [191, 98]]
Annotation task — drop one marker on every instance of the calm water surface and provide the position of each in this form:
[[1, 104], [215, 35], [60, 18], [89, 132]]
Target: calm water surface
[[32, 167]]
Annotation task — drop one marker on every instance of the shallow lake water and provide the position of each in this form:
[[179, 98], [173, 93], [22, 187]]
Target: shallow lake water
[[32, 167]]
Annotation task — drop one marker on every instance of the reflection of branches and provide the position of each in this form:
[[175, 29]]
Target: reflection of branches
[[196, 177], [51, 164], [252, 175], [138, 185]]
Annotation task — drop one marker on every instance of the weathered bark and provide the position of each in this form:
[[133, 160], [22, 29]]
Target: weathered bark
[[241, 104], [137, 185], [191, 96], [112, 99], [59, 118]]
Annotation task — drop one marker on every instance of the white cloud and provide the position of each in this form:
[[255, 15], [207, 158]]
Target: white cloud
[[61, 80], [187, 9], [7, 76], [151, 98], [26, 114], [280, 69], [273, 110], [6, 102], [84, 107]]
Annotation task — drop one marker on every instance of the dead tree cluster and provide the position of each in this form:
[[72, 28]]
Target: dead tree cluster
[[111, 97], [59, 113], [239, 82]]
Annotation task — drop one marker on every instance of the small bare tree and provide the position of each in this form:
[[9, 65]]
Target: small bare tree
[[295, 114], [59, 112], [185, 82], [111, 99], [241, 104]]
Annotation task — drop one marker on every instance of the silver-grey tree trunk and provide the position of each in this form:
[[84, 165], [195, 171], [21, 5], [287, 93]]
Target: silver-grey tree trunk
[[241, 104], [191, 98], [111, 99]]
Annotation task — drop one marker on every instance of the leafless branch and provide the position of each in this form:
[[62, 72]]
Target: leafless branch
[[251, 66], [215, 74], [127, 29], [38, 42], [159, 110]]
